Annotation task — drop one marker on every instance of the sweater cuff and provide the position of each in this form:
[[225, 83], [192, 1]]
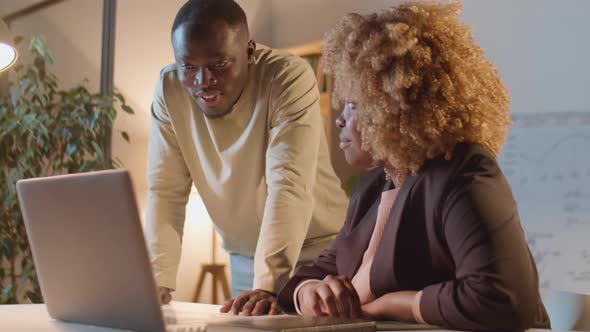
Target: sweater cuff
[[295, 300], [266, 283], [163, 280]]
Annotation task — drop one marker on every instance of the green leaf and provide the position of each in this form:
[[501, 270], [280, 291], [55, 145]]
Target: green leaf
[[6, 295], [11, 125], [98, 151], [25, 275], [35, 296], [121, 98], [118, 162], [17, 40], [125, 136], [71, 149], [92, 120], [24, 84], [14, 98], [38, 47], [127, 109]]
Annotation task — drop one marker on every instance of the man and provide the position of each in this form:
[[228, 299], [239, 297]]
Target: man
[[242, 123]]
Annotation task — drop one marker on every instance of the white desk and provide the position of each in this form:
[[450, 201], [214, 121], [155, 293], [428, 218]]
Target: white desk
[[34, 317]]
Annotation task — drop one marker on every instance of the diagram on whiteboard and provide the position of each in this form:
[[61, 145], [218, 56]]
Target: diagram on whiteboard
[[546, 159]]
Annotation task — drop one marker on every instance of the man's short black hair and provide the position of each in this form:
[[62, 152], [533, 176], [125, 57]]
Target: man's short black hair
[[203, 12]]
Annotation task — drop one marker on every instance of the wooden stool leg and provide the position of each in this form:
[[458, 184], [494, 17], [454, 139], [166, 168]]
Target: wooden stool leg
[[199, 286], [225, 285], [214, 283], [219, 278]]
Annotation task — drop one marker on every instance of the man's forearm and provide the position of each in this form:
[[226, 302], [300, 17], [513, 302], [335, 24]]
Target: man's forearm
[[165, 247], [281, 238], [164, 227]]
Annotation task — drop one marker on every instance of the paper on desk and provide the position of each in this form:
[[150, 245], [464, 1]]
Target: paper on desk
[[398, 326], [182, 313], [184, 317]]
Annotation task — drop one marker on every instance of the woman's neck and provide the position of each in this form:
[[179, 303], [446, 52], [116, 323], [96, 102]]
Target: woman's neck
[[397, 183]]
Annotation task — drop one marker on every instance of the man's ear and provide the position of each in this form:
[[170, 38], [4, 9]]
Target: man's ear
[[250, 50]]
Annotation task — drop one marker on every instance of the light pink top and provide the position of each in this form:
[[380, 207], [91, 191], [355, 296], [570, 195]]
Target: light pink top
[[361, 280]]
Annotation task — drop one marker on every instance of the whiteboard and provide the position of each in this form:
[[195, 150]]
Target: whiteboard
[[546, 159]]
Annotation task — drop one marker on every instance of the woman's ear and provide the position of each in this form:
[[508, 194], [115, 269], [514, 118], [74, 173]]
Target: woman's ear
[[250, 50]]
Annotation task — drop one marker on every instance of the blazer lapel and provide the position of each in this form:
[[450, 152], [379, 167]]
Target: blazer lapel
[[382, 276], [350, 254], [362, 216]]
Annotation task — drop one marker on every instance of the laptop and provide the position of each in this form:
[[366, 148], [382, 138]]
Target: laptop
[[93, 267], [89, 251]]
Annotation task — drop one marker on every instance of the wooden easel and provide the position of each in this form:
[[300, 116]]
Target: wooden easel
[[217, 272]]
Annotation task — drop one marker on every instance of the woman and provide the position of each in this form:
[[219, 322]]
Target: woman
[[432, 233]]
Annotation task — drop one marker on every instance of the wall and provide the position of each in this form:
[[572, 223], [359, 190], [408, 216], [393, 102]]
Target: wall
[[539, 46], [75, 40], [541, 50], [304, 21]]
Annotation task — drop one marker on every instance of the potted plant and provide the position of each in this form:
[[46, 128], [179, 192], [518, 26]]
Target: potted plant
[[44, 131]]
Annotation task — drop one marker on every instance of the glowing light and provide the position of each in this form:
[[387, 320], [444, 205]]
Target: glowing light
[[8, 56]]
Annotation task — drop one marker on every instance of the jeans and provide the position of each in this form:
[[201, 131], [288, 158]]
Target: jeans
[[242, 267], [242, 273]]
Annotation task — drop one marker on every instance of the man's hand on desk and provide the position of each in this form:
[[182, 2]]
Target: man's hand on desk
[[252, 303], [165, 295]]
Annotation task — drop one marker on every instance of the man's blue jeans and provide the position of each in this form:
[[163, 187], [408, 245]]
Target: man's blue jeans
[[242, 267], [242, 273]]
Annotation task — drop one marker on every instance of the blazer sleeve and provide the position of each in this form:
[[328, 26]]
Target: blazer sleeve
[[495, 286], [321, 267]]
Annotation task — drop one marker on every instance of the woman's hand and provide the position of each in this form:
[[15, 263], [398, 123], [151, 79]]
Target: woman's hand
[[333, 296]]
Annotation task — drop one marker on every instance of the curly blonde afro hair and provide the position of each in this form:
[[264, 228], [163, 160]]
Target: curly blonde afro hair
[[421, 83]]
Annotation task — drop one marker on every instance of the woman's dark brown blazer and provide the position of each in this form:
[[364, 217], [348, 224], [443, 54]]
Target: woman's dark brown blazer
[[454, 233]]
